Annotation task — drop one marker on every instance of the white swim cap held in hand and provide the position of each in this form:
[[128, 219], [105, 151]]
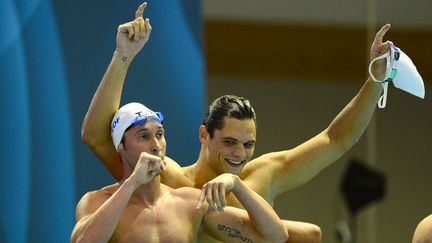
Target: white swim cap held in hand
[[401, 71]]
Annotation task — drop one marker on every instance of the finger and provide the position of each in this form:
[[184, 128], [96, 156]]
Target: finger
[[140, 10], [219, 197], [155, 165], [136, 29], [386, 46], [222, 197], [129, 29], [201, 199], [147, 25], [158, 166], [380, 34], [148, 29], [153, 157], [163, 165], [209, 197], [126, 28], [141, 23], [150, 166], [216, 196]]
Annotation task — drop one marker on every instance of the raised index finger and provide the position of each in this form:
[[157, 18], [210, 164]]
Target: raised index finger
[[140, 11], [380, 34]]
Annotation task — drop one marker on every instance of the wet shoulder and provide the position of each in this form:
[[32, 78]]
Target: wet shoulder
[[110, 189], [92, 200], [106, 191]]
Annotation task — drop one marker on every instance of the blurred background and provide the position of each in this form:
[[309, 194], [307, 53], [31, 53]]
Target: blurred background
[[298, 63]]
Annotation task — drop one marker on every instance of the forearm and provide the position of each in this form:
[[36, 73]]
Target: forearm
[[292, 168], [106, 101], [262, 215], [100, 226], [95, 131], [352, 121]]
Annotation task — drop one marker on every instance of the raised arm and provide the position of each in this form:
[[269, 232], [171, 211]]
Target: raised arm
[[288, 169], [98, 213], [259, 223], [95, 131]]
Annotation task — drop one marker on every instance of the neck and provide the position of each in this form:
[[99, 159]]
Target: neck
[[201, 171], [150, 192]]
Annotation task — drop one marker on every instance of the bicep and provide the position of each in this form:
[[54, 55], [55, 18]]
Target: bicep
[[83, 212], [297, 166], [231, 225], [284, 170], [88, 204]]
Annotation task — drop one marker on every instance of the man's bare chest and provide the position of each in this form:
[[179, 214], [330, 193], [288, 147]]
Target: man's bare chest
[[156, 224]]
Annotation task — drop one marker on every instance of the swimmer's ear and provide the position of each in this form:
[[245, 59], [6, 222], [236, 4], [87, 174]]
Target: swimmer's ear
[[203, 134], [120, 147]]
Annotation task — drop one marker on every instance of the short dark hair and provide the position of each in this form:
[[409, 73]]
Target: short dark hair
[[227, 106], [123, 141]]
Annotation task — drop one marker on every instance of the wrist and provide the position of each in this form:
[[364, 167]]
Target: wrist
[[123, 58], [374, 84], [131, 182], [236, 182]]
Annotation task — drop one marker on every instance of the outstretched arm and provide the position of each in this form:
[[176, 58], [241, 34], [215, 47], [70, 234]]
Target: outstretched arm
[[95, 131], [288, 169], [259, 221]]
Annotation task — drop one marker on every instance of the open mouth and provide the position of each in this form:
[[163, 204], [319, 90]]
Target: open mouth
[[235, 163]]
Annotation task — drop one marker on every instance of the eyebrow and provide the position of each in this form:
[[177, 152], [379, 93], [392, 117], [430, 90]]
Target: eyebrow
[[235, 139], [139, 130]]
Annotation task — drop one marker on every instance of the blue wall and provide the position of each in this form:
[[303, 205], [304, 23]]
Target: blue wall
[[52, 57]]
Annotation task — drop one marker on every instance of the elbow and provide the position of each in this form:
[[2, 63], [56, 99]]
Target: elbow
[[281, 235], [89, 131], [307, 233], [312, 233], [344, 139], [89, 137], [340, 142], [315, 233], [85, 136]]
